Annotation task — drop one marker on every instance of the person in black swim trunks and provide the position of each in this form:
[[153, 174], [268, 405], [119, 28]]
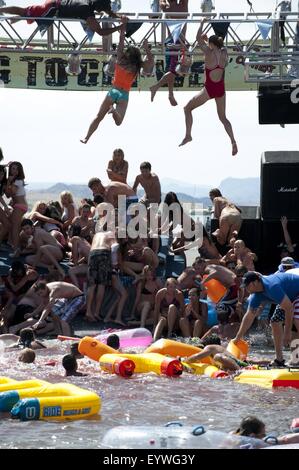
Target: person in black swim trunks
[[81, 9]]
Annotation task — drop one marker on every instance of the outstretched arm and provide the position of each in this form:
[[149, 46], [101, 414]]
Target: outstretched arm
[[200, 38], [287, 238], [121, 44]]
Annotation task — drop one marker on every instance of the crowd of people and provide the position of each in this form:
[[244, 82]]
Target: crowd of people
[[65, 260]]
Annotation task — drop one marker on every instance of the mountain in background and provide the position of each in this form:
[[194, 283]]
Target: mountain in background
[[242, 191]]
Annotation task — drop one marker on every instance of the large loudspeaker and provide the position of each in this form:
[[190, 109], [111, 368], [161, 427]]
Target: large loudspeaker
[[273, 244], [278, 104], [280, 185]]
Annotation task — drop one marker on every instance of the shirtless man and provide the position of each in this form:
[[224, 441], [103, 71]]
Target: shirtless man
[[47, 249], [241, 255], [221, 356], [71, 300], [227, 278], [118, 167], [80, 254], [192, 276], [111, 192], [150, 183], [168, 78], [100, 275], [229, 215], [85, 221]]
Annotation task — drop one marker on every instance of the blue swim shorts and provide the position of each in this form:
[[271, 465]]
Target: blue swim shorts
[[117, 94]]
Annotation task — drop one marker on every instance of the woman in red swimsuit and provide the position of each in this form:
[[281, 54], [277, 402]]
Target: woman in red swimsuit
[[215, 62]]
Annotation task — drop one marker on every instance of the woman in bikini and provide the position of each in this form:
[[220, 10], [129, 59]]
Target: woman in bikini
[[15, 188], [169, 307], [215, 62], [146, 291], [127, 68]]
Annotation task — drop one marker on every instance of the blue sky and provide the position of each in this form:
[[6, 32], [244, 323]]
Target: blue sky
[[42, 130]]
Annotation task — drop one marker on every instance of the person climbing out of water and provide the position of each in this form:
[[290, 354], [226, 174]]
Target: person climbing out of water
[[27, 356], [216, 59], [222, 358], [127, 67], [251, 426]]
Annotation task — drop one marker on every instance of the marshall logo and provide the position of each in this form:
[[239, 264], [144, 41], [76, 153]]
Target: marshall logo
[[287, 190]]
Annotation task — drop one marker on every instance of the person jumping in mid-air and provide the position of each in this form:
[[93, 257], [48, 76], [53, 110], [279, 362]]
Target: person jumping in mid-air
[[81, 9], [215, 61], [127, 67]]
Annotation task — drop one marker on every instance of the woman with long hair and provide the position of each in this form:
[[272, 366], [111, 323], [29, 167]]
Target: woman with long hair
[[127, 67], [15, 188], [69, 209], [216, 59]]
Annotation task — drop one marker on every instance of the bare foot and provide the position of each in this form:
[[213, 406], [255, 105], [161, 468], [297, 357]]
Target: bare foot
[[185, 140], [153, 92], [234, 149], [84, 141], [172, 100]]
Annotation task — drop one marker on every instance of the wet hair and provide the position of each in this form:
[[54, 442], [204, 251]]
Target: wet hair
[[113, 341], [69, 362], [93, 181], [21, 174], [75, 350], [26, 337], [211, 339], [146, 166], [170, 198], [98, 199], [26, 222], [27, 356], [250, 425], [217, 41], [132, 56], [120, 151], [215, 192], [194, 290]]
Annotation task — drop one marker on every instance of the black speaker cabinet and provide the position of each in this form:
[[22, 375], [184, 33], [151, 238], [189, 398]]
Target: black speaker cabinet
[[278, 104], [280, 185]]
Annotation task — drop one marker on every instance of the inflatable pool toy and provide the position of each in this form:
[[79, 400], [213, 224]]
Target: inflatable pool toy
[[153, 362], [93, 348], [199, 368], [215, 289], [144, 363], [46, 401], [115, 364], [269, 378], [175, 348], [175, 436], [129, 338], [239, 349]]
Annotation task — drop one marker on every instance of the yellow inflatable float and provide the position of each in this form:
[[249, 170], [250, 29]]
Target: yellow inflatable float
[[146, 362], [37, 399], [175, 348], [269, 378]]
